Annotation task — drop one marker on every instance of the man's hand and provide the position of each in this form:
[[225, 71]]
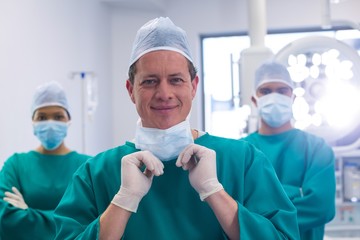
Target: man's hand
[[136, 183], [201, 163]]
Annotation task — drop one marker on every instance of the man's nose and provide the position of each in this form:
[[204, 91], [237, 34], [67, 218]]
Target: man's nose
[[164, 90]]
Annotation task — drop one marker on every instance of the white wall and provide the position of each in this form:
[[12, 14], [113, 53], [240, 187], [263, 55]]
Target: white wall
[[46, 40], [198, 17]]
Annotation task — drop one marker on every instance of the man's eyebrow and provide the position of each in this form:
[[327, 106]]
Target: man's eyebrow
[[151, 75], [177, 73], [264, 88]]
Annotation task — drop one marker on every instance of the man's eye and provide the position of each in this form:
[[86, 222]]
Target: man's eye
[[284, 90], [176, 80], [265, 91], [148, 82]]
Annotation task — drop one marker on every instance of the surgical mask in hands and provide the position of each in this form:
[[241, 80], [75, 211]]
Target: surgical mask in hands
[[50, 133], [201, 164], [275, 109], [164, 144], [15, 198]]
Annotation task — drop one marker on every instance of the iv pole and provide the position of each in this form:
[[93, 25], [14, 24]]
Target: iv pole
[[85, 105]]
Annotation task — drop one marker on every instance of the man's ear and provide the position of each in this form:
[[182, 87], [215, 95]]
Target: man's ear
[[194, 84], [130, 89], [253, 99]]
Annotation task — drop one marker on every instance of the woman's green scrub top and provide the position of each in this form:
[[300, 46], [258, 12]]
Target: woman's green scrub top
[[42, 180]]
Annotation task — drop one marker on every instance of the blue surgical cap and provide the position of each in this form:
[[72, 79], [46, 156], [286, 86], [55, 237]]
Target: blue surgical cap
[[160, 34], [272, 72], [49, 94]]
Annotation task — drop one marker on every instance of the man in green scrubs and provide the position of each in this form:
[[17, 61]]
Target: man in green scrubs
[[32, 183], [303, 162], [171, 181]]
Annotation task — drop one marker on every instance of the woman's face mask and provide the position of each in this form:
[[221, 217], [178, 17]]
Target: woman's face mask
[[50, 133], [275, 109]]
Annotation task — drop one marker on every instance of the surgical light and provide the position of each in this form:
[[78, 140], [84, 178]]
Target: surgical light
[[316, 59], [326, 73], [300, 108], [299, 91], [314, 71]]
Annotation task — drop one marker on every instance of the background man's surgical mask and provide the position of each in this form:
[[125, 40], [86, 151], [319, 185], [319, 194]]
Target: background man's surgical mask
[[275, 109]]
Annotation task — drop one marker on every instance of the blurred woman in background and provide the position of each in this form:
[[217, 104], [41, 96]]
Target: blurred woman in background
[[32, 183]]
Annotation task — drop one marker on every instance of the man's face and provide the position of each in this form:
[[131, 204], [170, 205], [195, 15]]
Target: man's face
[[162, 90], [274, 87]]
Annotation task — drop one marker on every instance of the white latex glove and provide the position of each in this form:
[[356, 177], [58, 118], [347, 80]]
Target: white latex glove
[[201, 163], [16, 199], [135, 184]]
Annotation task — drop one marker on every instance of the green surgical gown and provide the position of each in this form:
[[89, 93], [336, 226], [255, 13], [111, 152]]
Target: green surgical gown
[[42, 180], [172, 209], [304, 164]]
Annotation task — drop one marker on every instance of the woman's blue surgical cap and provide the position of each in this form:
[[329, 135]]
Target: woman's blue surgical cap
[[160, 34], [49, 94]]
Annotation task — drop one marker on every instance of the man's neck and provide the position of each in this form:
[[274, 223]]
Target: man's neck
[[267, 130]]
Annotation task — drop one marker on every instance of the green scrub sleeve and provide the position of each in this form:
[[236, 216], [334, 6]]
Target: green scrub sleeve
[[83, 204], [315, 191], [8, 177], [275, 212], [20, 224]]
